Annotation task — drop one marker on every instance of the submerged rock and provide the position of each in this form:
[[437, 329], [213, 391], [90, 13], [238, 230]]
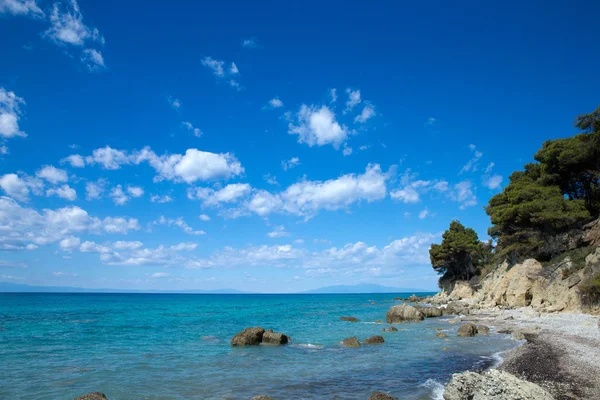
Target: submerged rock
[[270, 337], [492, 385], [381, 396], [374, 340], [92, 396], [349, 319], [467, 330], [441, 334], [391, 329], [402, 313], [351, 342], [248, 337]]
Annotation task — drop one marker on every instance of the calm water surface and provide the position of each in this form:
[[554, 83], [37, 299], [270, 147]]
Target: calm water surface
[[160, 346]]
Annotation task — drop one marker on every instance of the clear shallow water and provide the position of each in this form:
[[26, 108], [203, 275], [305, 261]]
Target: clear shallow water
[[159, 346]]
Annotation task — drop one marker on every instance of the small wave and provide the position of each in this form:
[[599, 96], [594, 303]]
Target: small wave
[[437, 389], [310, 346]]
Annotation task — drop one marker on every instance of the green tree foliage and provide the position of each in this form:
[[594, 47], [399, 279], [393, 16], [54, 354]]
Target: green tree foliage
[[558, 193], [460, 255], [574, 163]]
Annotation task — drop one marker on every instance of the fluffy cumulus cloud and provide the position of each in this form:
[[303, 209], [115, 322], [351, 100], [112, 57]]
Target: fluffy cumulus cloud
[[10, 113], [367, 113], [463, 193], [19, 187], [278, 232], [22, 226], [194, 165], [275, 102], [291, 163], [229, 194], [353, 99], [317, 126], [223, 70], [95, 190], [490, 180], [21, 7], [52, 174], [64, 192], [75, 160], [179, 223]]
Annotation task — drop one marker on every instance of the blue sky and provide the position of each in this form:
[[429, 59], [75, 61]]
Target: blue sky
[[270, 147]]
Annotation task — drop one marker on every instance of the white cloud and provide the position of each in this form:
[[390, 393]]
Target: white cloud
[[20, 187], [93, 60], [406, 195], [424, 214], [306, 198], [159, 275], [196, 131], [228, 194], [347, 151], [52, 174], [10, 113], [195, 165], [367, 112], [204, 217], [249, 43], [353, 99], [161, 199], [333, 95], [430, 121], [491, 181], [318, 126], [173, 102], [278, 232], [4, 150], [275, 102], [64, 192], [68, 27], [472, 165], [218, 68], [20, 7], [92, 247], [75, 160], [131, 245], [411, 188], [463, 193], [291, 163], [135, 191], [233, 70], [270, 179], [94, 190], [178, 222], [69, 244], [118, 195]]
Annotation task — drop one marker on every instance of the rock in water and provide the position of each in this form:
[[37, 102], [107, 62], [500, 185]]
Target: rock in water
[[492, 385], [270, 337], [483, 330], [261, 397], [402, 313], [351, 342], [467, 330], [430, 312], [392, 329], [349, 319], [92, 396], [441, 334], [381, 396], [374, 340], [248, 337]]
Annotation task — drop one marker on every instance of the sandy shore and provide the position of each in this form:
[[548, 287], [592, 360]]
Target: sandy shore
[[561, 353]]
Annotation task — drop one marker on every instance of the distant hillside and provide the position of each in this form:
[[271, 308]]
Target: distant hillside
[[366, 288], [7, 287]]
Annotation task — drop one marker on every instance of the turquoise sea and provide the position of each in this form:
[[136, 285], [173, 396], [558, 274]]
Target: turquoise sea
[[163, 346]]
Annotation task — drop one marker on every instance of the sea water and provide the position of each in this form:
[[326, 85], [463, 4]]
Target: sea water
[[163, 346]]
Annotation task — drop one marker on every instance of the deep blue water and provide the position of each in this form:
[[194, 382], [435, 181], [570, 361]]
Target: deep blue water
[[162, 346]]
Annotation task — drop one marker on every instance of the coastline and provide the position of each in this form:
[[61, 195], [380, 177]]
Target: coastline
[[560, 353]]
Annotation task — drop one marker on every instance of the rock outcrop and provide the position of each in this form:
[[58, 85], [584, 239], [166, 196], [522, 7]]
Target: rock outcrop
[[92, 396], [391, 329], [483, 330], [403, 312], [351, 342], [374, 340], [430, 312], [349, 319], [492, 385], [381, 396], [462, 290]]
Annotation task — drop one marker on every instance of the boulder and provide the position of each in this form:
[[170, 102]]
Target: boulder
[[374, 340], [483, 330], [455, 308], [248, 337], [92, 396], [381, 396], [467, 330], [414, 299], [492, 385], [441, 334], [379, 321], [394, 329], [518, 335], [430, 312], [270, 337], [261, 397], [351, 342], [349, 319], [591, 233], [402, 313]]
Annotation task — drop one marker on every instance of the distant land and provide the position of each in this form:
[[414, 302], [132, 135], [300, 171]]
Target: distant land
[[8, 287]]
